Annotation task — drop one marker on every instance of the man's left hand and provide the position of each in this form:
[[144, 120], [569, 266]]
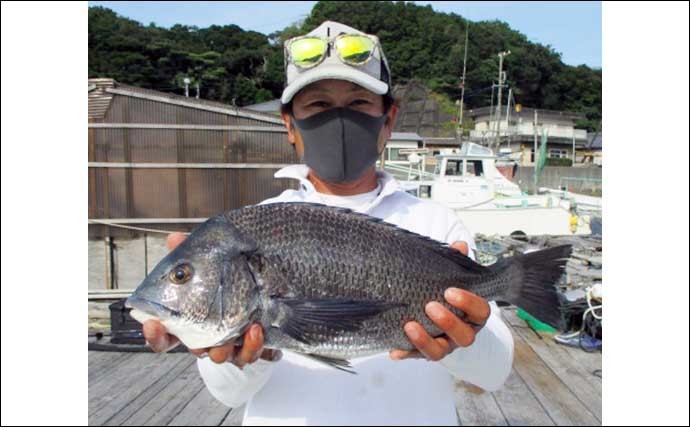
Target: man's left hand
[[457, 332]]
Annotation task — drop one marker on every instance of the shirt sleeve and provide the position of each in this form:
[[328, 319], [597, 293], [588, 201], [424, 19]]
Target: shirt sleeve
[[459, 233], [231, 385], [488, 361]]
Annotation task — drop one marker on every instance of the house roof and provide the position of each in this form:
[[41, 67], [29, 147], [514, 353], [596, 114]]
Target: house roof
[[405, 136], [595, 141], [442, 141], [99, 99], [528, 113], [101, 96], [272, 106]]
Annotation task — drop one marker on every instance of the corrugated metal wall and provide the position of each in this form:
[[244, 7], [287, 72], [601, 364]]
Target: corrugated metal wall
[[177, 192]]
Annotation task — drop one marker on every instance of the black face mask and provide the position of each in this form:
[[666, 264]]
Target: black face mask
[[340, 144]]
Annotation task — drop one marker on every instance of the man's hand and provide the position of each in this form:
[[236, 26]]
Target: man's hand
[[250, 351], [457, 332]]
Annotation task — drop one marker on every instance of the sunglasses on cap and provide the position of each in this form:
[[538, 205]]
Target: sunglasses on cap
[[352, 49]]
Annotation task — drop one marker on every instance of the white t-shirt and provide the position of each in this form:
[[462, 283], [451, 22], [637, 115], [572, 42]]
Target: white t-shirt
[[299, 391]]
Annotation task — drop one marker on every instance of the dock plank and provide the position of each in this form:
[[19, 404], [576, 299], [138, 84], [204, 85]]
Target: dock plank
[[475, 407], [165, 389], [581, 383], [554, 396], [202, 410], [97, 358], [165, 399], [234, 418], [519, 405], [589, 361], [115, 392], [104, 363]]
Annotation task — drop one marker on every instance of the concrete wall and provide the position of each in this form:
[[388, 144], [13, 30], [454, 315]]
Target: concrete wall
[[551, 175]]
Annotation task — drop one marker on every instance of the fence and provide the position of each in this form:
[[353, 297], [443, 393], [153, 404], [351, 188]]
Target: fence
[[584, 180], [147, 172]]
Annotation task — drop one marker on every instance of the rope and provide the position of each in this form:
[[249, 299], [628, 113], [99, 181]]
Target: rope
[[590, 310], [129, 227], [476, 204]]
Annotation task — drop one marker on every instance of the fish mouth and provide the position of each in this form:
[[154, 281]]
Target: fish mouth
[[150, 307]]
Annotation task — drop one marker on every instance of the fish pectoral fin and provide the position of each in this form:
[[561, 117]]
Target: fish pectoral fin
[[305, 318], [340, 364]]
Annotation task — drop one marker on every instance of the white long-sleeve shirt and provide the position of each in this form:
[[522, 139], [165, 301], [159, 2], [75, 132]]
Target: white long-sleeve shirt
[[299, 391]]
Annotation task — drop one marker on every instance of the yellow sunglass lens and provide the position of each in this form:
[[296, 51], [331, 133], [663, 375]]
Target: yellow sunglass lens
[[354, 49], [306, 52]]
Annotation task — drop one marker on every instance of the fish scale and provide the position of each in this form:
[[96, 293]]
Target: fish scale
[[322, 253]]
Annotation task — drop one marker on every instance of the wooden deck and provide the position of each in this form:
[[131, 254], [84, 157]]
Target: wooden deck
[[550, 385]]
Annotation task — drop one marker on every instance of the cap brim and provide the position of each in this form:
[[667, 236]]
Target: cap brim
[[335, 71]]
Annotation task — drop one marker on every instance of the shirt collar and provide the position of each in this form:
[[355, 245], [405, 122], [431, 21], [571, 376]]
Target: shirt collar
[[299, 172]]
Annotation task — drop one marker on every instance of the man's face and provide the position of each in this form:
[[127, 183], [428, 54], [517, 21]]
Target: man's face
[[326, 94]]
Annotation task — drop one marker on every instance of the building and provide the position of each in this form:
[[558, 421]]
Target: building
[[155, 155], [591, 154], [399, 143], [517, 132], [271, 107]]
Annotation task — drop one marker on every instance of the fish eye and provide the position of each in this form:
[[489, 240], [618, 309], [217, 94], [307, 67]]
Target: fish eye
[[181, 274]]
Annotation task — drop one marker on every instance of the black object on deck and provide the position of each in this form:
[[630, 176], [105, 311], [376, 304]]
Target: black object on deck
[[124, 329]]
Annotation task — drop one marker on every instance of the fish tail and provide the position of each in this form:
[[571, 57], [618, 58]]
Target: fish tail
[[531, 282]]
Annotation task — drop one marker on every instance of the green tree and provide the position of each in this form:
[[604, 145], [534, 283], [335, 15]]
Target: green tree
[[420, 44]]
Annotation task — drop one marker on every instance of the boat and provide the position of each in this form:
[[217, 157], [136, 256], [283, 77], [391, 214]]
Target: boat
[[468, 181]]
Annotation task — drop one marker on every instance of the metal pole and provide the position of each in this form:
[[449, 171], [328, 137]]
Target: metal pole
[[510, 93], [491, 110], [146, 254], [573, 147], [462, 93]]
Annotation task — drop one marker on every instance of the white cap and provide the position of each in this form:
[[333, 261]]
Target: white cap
[[373, 76]]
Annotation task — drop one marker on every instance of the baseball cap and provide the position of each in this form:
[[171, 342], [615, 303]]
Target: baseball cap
[[374, 75]]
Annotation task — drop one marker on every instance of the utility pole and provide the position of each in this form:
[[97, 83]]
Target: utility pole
[[462, 93], [197, 90], [535, 150], [501, 80]]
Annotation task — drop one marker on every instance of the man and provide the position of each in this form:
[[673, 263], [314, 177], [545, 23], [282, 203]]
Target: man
[[339, 112]]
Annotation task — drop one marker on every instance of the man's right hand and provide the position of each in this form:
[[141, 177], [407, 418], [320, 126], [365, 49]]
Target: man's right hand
[[249, 352]]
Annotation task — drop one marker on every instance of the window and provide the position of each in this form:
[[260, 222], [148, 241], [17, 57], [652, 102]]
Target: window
[[454, 167], [558, 153], [394, 154], [475, 167]]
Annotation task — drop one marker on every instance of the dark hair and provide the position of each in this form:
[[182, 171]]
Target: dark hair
[[388, 101]]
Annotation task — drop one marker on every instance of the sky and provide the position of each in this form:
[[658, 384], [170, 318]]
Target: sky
[[571, 28]]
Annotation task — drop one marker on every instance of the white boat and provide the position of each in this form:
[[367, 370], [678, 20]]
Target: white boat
[[469, 183]]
